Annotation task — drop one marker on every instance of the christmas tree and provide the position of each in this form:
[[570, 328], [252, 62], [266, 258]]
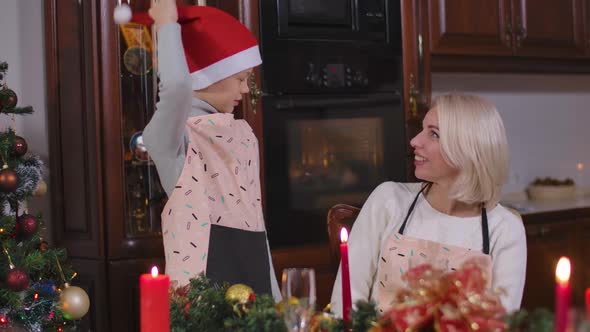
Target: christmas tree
[[35, 294]]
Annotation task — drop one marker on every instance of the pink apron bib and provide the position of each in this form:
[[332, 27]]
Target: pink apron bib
[[213, 222], [402, 252]]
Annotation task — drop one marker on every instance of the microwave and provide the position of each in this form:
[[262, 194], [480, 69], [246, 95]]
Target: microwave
[[370, 20], [330, 46]]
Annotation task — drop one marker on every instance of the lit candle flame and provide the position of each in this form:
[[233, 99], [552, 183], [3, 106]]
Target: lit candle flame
[[343, 235], [563, 270], [154, 271], [580, 166]]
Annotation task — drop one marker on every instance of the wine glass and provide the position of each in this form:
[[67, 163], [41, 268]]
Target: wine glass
[[299, 297]]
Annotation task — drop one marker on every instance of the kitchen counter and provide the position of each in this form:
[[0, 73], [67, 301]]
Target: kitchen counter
[[547, 210]]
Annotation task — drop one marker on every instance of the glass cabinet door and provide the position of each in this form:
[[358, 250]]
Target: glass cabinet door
[[144, 195]]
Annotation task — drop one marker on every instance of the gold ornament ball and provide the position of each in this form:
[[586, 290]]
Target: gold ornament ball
[[74, 302], [318, 319], [41, 189], [292, 301], [238, 293]]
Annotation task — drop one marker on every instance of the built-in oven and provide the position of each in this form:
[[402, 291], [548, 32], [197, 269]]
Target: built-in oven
[[333, 121], [324, 150]]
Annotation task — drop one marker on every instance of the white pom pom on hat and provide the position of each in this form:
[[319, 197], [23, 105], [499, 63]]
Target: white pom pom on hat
[[216, 45], [122, 14]]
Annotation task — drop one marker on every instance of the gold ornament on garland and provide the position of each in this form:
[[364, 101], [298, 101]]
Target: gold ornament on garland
[[291, 301], [239, 293], [319, 321]]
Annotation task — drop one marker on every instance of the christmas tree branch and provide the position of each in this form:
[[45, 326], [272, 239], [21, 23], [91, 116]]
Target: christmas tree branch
[[19, 110]]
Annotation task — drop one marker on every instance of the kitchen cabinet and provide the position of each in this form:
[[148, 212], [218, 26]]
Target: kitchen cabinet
[[470, 27], [550, 236], [545, 36], [540, 28], [548, 28]]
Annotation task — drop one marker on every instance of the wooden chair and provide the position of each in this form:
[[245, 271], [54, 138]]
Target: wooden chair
[[339, 215]]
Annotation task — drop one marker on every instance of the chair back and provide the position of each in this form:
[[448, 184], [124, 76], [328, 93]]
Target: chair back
[[339, 215]]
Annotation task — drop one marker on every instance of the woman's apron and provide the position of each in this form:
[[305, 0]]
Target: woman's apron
[[213, 222], [402, 252]]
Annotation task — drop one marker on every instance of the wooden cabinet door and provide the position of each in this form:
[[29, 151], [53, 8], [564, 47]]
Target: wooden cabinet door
[[549, 28], [587, 25], [546, 243], [468, 27], [74, 110]]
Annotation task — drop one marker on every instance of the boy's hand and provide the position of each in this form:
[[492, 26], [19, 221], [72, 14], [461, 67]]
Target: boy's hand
[[163, 12]]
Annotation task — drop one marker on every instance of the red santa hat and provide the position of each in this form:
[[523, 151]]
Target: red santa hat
[[216, 45]]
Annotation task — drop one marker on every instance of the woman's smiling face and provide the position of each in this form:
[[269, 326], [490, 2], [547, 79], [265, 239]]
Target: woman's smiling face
[[428, 159]]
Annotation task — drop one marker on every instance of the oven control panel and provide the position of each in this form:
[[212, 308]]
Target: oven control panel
[[335, 75]]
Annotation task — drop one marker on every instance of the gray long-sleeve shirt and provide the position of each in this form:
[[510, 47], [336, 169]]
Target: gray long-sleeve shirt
[[165, 135]]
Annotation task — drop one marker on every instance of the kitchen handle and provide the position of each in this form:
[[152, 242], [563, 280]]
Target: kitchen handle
[[520, 32], [413, 97], [255, 92], [508, 31]]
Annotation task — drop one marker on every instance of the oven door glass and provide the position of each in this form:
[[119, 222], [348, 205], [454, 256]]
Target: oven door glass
[[320, 153], [314, 12]]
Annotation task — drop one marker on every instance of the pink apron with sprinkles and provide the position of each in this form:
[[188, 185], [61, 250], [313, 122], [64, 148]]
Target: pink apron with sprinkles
[[402, 252], [219, 187]]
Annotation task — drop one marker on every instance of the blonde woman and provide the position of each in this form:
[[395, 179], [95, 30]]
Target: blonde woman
[[461, 154]]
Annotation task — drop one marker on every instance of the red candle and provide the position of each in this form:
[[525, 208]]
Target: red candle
[[588, 304], [562, 294], [154, 302], [346, 298]]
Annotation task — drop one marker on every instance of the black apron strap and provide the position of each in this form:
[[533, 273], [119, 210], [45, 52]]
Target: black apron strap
[[485, 234], [411, 209]]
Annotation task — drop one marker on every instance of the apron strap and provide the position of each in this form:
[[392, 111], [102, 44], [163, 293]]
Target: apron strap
[[484, 230], [485, 234], [401, 229]]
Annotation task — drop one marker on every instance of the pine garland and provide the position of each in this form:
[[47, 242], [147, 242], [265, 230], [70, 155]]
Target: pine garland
[[203, 307]]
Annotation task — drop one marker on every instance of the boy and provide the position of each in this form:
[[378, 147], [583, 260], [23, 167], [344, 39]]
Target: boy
[[207, 160]]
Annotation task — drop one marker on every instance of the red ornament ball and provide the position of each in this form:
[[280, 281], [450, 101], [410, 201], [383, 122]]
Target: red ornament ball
[[17, 280], [8, 180], [8, 99], [26, 225], [20, 146]]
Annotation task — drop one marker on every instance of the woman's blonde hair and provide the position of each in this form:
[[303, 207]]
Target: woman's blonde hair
[[473, 140]]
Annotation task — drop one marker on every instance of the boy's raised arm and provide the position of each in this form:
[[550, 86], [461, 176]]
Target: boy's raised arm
[[164, 135]]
